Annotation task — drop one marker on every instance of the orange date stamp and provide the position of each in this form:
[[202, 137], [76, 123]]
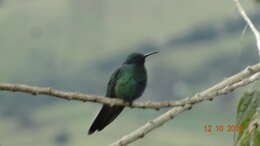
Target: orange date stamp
[[223, 128]]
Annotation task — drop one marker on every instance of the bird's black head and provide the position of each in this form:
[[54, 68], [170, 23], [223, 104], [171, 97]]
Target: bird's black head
[[138, 58]]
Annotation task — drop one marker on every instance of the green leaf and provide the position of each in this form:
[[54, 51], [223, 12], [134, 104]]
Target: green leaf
[[248, 116]]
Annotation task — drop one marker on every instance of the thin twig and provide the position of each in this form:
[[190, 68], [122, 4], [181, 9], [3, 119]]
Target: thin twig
[[250, 24]]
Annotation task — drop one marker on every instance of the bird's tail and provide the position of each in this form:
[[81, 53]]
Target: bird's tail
[[106, 115]]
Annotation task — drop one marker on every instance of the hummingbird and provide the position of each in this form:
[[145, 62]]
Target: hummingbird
[[128, 83]]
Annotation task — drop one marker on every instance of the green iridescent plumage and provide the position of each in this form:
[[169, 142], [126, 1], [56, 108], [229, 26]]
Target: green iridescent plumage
[[128, 83]]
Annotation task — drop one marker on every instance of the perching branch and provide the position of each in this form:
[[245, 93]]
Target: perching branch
[[34, 90]]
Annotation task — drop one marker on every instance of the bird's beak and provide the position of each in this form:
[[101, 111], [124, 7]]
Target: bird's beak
[[151, 53]]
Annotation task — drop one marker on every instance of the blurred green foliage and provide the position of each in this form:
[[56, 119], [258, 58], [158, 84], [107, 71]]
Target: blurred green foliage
[[248, 112]]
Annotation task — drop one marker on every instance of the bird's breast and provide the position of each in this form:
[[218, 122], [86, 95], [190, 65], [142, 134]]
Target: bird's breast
[[131, 83]]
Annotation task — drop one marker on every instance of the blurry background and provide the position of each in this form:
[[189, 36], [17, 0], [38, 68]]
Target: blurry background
[[75, 45]]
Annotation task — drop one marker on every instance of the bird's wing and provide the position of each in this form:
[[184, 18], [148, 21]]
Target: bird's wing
[[107, 113], [112, 83]]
